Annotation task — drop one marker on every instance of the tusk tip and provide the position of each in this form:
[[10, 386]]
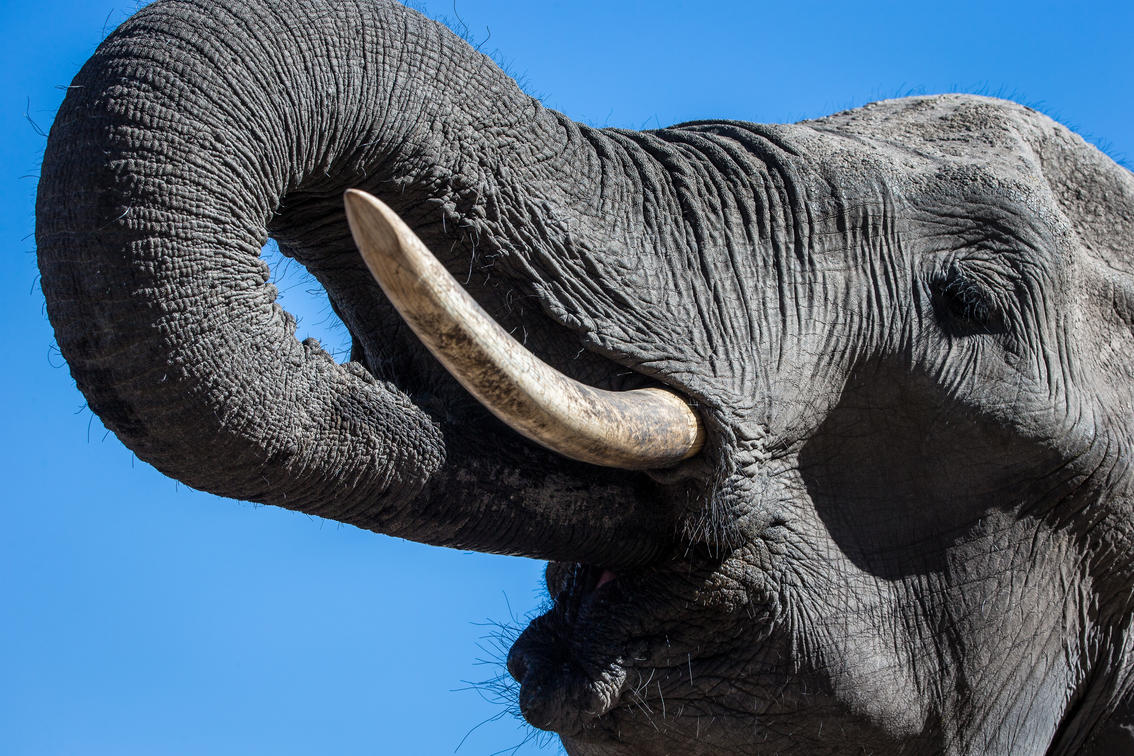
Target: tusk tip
[[378, 231], [362, 206]]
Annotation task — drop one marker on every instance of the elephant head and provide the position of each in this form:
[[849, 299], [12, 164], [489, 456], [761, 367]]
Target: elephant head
[[906, 333]]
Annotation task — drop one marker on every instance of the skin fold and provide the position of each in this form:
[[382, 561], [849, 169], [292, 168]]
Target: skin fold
[[907, 329]]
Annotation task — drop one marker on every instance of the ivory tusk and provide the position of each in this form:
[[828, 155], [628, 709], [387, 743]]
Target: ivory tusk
[[635, 430]]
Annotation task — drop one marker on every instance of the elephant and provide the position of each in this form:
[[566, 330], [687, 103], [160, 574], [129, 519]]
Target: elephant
[[902, 336]]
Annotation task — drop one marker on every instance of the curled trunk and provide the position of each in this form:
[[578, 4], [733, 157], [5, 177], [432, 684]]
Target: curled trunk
[[192, 134]]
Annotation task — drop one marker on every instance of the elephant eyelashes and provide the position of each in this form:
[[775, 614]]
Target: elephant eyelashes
[[963, 304]]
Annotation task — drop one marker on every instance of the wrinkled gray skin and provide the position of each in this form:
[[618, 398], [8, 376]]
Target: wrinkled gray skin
[[909, 329]]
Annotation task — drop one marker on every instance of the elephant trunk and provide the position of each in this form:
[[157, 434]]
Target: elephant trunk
[[189, 135]]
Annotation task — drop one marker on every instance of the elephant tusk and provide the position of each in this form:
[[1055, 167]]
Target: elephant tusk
[[642, 429]]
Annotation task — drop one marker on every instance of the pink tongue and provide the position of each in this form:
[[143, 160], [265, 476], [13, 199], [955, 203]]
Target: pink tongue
[[605, 578]]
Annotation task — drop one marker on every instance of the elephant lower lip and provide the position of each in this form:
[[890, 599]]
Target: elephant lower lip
[[565, 686], [561, 697]]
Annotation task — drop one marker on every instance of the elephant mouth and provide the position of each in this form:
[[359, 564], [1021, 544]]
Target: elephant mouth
[[570, 674], [608, 636]]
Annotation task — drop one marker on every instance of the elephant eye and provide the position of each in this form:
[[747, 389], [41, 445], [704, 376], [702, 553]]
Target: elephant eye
[[963, 304]]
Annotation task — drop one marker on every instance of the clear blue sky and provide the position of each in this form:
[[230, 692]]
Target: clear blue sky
[[140, 617]]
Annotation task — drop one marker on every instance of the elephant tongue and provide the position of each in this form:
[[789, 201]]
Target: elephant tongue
[[605, 578]]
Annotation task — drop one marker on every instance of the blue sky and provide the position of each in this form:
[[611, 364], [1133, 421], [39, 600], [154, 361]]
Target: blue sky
[[140, 617]]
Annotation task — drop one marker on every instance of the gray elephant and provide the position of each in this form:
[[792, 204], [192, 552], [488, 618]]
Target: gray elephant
[[903, 336]]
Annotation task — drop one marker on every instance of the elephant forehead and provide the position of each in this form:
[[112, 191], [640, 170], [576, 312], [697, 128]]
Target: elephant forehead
[[940, 127], [999, 143]]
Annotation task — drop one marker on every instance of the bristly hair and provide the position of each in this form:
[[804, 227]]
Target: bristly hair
[[499, 689]]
